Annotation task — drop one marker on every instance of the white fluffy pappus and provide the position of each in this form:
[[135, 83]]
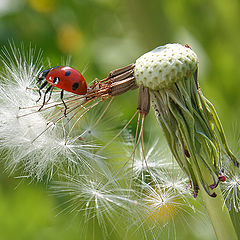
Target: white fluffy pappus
[[161, 208], [161, 190], [28, 140], [159, 166], [118, 204], [231, 187], [153, 160], [98, 197], [231, 191]]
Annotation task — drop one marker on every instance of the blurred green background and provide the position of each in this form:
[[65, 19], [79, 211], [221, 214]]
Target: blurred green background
[[102, 35]]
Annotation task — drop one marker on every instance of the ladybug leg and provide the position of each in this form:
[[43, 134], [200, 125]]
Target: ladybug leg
[[44, 97], [39, 91], [65, 111], [50, 94]]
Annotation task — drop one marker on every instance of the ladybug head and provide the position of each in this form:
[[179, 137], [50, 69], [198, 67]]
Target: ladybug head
[[42, 75]]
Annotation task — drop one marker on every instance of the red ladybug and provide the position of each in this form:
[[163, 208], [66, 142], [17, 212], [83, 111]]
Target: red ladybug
[[63, 77]]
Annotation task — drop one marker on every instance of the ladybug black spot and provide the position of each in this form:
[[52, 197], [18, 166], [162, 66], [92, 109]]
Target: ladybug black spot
[[75, 86], [67, 73]]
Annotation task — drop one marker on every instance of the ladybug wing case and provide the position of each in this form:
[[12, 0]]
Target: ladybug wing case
[[68, 79]]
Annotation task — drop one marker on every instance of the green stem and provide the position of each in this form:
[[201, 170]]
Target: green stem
[[216, 208]]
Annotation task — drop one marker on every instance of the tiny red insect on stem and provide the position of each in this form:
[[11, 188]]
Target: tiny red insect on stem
[[63, 77]]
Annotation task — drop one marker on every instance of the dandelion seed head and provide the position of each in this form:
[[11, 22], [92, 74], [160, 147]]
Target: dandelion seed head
[[30, 141]]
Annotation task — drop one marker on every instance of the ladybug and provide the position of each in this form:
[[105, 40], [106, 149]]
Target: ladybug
[[63, 77]]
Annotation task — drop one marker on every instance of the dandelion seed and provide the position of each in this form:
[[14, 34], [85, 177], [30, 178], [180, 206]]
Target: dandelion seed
[[230, 178], [231, 191], [96, 196], [160, 208], [154, 161], [174, 180], [163, 205], [98, 124]]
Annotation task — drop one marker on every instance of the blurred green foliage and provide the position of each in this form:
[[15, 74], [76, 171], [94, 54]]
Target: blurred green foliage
[[101, 35]]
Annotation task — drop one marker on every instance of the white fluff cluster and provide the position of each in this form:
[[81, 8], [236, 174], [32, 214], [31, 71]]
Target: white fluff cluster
[[161, 208], [97, 196], [231, 191], [28, 141], [154, 160], [164, 65]]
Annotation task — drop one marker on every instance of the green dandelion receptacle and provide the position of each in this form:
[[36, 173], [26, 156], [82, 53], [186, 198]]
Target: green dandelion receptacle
[[165, 65]]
